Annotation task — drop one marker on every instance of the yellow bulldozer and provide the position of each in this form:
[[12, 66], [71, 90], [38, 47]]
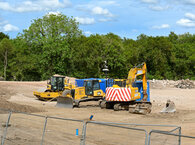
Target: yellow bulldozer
[[55, 86], [89, 92]]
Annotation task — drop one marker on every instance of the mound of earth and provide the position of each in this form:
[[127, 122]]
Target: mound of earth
[[6, 105], [8, 89]]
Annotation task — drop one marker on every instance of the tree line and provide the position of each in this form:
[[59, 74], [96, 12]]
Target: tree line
[[54, 44]]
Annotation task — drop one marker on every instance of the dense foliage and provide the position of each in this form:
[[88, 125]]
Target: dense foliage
[[55, 45]]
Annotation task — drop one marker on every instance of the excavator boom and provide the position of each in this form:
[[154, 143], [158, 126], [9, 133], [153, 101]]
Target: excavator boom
[[135, 72]]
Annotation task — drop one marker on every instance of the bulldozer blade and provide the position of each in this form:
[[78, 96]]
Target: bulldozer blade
[[169, 108], [64, 102]]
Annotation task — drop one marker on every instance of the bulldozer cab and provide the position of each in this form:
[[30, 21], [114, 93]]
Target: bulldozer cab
[[57, 83], [91, 86], [119, 83]]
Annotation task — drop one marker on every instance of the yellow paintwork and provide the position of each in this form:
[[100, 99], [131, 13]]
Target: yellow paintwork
[[98, 93], [49, 94], [68, 86], [48, 87], [46, 95], [135, 94], [80, 94], [133, 73]]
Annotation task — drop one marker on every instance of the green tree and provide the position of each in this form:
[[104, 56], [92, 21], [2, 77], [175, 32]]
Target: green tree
[[49, 39], [89, 54], [2, 36], [184, 56], [5, 50], [157, 52]]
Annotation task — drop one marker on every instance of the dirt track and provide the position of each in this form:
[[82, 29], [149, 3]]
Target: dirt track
[[28, 130]]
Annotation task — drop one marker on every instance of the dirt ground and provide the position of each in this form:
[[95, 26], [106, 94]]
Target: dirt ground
[[26, 129]]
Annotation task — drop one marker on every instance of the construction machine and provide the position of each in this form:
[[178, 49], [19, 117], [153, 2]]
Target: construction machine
[[55, 86], [131, 96], [90, 91]]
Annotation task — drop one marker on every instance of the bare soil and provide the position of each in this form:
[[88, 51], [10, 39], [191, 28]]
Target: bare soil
[[26, 129]]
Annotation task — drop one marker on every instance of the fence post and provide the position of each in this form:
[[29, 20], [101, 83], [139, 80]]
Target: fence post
[[179, 136], [146, 137], [5, 131], [82, 142], [149, 137], [45, 124]]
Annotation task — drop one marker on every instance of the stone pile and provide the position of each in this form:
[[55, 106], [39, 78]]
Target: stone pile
[[162, 83], [185, 84]]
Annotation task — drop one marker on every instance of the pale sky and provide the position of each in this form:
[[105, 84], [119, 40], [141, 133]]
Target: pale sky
[[126, 18]]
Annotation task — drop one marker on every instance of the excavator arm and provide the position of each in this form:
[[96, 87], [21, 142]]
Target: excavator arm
[[139, 70]]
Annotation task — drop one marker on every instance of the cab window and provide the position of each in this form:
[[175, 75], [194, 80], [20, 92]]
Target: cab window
[[96, 85]]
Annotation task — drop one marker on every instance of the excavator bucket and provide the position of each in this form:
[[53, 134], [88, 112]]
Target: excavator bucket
[[144, 108], [169, 108], [66, 100]]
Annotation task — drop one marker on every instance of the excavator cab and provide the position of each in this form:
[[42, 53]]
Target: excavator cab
[[119, 83]]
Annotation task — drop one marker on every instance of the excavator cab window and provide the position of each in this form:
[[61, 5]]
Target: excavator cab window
[[96, 85], [121, 83], [90, 86]]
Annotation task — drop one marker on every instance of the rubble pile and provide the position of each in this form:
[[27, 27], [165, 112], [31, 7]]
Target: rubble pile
[[162, 83], [185, 84]]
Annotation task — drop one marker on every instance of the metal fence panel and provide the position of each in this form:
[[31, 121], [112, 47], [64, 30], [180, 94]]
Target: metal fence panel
[[164, 139], [106, 134], [24, 129], [187, 141], [58, 132], [4, 124], [182, 139]]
